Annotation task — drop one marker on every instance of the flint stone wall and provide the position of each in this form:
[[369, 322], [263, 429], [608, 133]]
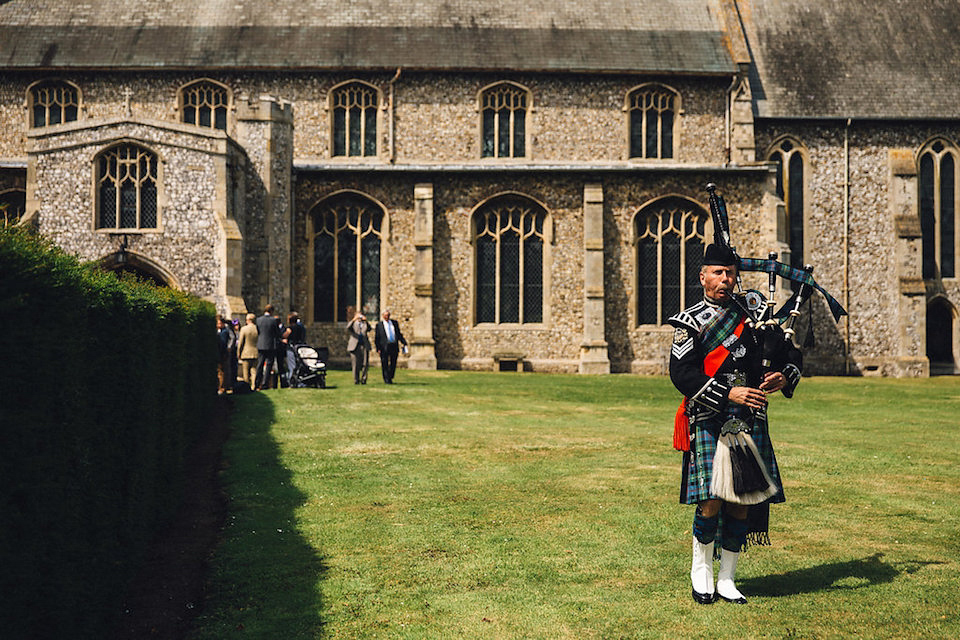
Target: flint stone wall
[[884, 338], [435, 119]]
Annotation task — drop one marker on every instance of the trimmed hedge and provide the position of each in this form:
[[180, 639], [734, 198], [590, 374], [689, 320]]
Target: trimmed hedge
[[104, 384]]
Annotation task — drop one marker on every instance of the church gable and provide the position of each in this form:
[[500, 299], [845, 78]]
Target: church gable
[[109, 187]]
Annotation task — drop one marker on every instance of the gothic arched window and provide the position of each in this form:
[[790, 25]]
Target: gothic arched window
[[789, 156], [126, 183], [205, 103], [508, 239], [354, 125], [346, 248], [53, 102], [503, 121], [938, 207], [652, 112], [669, 236]]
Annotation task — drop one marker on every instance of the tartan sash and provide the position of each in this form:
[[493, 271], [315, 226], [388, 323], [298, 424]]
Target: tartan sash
[[794, 274], [716, 330]]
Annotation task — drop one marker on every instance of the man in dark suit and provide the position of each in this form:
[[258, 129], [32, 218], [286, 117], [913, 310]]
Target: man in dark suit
[[269, 336], [388, 340]]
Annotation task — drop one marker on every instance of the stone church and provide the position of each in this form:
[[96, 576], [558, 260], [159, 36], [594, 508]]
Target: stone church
[[521, 185]]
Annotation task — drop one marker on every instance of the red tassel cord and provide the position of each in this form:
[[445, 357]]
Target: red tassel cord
[[681, 428]]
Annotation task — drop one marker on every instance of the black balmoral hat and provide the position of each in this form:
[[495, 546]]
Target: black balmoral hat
[[719, 254]]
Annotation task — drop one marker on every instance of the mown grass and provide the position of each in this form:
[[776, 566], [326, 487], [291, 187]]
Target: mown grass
[[494, 505]]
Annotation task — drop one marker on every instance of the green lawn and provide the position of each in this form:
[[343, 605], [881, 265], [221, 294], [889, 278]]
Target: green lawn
[[504, 505]]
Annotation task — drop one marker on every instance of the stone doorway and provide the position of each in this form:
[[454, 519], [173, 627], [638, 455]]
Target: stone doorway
[[941, 337], [125, 261]]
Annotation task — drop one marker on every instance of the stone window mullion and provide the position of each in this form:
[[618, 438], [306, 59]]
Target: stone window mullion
[[659, 239], [53, 102], [354, 120], [505, 285], [123, 176], [651, 116], [658, 272], [349, 222], [503, 123]]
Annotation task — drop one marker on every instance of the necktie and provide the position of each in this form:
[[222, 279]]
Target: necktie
[[389, 329]]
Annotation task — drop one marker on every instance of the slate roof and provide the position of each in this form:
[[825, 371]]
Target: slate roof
[[861, 59], [653, 36]]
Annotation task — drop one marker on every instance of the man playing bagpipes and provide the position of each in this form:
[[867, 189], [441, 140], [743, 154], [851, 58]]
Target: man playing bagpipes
[[729, 353]]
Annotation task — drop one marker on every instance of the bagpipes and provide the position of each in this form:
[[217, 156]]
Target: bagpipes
[[739, 472]]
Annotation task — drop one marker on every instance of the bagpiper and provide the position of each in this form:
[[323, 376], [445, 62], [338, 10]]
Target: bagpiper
[[716, 363], [729, 353]]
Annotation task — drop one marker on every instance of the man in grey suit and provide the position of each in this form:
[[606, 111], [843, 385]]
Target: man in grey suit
[[267, 340], [358, 344]]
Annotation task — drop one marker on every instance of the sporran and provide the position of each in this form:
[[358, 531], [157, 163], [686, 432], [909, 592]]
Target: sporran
[[739, 475]]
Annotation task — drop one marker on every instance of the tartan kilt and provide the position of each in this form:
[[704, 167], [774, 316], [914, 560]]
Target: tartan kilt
[[698, 462]]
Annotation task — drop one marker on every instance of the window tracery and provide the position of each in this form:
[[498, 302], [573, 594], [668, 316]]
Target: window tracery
[[508, 242], [53, 102], [939, 196], [346, 247], [503, 113], [126, 181], [652, 112], [205, 103], [669, 238], [354, 126]]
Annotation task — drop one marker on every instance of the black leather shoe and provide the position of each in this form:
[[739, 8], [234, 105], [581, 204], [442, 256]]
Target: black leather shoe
[[704, 598], [740, 600]]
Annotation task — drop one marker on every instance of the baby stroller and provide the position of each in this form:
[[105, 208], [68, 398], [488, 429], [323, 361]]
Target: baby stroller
[[310, 369]]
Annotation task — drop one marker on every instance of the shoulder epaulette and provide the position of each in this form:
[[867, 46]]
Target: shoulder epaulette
[[694, 317]]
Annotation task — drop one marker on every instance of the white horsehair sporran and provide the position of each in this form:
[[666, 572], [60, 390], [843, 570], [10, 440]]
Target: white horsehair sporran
[[739, 475]]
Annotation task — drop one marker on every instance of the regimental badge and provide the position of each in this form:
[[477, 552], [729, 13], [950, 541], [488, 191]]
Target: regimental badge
[[739, 352], [735, 379], [682, 343]]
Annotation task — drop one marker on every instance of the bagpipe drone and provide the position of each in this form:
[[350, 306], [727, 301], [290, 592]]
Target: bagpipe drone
[[739, 474]]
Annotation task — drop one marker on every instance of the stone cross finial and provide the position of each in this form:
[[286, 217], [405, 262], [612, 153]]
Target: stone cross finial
[[127, 93]]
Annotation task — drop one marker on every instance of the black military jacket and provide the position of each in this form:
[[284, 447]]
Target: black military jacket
[[739, 360]]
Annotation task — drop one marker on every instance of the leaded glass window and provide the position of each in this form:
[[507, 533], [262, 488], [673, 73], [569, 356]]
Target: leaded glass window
[[670, 243], [53, 102], [508, 239], [503, 111], [127, 188], [348, 231], [938, 206], [354, 108], [205, 103], [788, 156], [13, 204], [652, 113]]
